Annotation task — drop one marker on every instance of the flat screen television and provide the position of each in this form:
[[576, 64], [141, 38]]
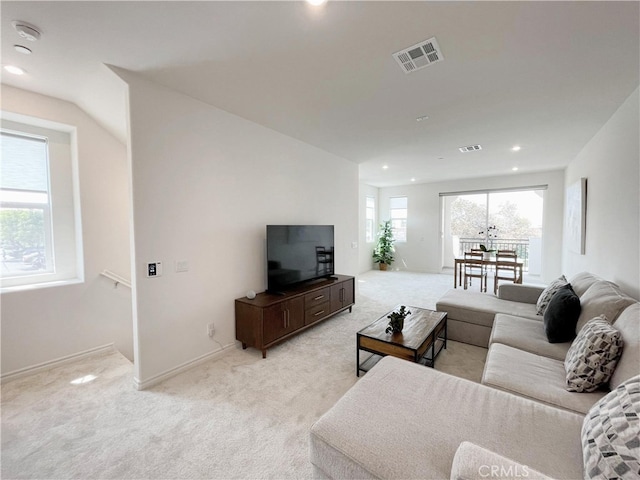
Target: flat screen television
[[298, 253]]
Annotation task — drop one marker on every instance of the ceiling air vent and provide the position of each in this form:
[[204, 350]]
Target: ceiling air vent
[[419, 55], [470, 148]]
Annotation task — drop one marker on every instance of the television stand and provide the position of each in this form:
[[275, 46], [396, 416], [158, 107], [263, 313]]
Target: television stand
[[271, 318]]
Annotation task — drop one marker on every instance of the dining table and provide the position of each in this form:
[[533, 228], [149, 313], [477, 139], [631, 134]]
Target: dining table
[[459, 263]]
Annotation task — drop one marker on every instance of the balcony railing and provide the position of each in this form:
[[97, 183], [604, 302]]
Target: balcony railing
[[520, 245]]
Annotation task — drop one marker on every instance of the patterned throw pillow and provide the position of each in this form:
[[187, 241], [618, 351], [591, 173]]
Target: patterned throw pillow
[[611, 434], [593, 355], [547, 293]]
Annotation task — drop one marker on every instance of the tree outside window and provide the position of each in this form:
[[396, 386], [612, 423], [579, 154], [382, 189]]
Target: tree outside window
[[516, 215]]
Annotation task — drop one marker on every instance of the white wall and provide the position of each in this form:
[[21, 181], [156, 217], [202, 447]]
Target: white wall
[[611, 164], [422, 251], [365, 260], [205, 185], [46, 324]]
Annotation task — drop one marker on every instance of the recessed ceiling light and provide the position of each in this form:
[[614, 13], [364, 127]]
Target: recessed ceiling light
[[316, 3], [516, 148], [515, 169], [384, 167], [422, 118], [22, 49], [413, 179], [26, 30], [13, 69]]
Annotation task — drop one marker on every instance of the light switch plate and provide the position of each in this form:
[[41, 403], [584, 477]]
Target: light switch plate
[[182, 266]]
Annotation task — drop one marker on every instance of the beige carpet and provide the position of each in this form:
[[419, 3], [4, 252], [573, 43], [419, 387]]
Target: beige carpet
[[238, 417]]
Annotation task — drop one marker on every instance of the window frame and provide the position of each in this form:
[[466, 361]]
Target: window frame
[[402, 219], [370, 220], [64, 246]]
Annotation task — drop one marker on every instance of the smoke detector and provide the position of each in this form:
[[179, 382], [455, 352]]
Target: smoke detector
[[470, 148], [26, 31], [418, 56]]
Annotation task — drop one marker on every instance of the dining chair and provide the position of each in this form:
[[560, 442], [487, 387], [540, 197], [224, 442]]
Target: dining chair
[[324, 260], [506, 267], [474, 267]]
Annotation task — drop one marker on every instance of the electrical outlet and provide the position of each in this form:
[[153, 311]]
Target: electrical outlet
[[211, 329]]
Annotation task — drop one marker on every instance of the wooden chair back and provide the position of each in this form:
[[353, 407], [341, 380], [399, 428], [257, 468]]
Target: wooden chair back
[[506, 268], [474, 267]]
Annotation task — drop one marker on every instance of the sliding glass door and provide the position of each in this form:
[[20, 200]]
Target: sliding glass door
[[505, 220]]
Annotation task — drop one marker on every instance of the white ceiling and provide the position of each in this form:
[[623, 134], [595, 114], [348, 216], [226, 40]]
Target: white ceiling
[[542, 75]]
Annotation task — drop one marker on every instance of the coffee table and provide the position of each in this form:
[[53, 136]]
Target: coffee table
[[423, 337]]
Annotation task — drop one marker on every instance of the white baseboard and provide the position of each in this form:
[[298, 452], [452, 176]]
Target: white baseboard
[[161, 377], [41, 367]]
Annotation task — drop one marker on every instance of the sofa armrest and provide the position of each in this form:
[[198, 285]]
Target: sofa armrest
[[472, 462], [520, 292]]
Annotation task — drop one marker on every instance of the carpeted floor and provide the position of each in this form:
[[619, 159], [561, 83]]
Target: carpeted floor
[[237, 417]]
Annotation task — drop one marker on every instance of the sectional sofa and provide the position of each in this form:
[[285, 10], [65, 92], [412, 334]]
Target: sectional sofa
[[402, 420]]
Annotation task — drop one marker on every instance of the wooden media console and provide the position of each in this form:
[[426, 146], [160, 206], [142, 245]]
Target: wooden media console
[[270, 318]]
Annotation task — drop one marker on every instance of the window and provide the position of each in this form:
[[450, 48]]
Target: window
[[398, 215], [370, 219], [509, 219], [39, 244]]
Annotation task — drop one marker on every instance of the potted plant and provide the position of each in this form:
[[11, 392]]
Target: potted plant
[[491, 234], [396, 320], [383, 253]]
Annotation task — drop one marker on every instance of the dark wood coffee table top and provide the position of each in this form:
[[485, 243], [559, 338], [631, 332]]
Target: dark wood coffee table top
[[422, 330]]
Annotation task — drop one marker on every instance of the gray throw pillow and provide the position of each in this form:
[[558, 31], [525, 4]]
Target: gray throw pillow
[[593, 356], [547, 293], [611, 434]]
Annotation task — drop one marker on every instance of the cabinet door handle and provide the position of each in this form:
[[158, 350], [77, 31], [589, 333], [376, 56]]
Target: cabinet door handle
[[342, 295], [284, 318], [318, 313], [319, 297]]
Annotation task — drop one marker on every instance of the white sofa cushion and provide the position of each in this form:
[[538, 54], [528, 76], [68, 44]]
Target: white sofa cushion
[[533, 376], [474, 462], [519, 292], [582, 281], [602, 298], [628, 324], [404, 420], [611, 434], [526, 334], [480, 308], [593, 356]]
